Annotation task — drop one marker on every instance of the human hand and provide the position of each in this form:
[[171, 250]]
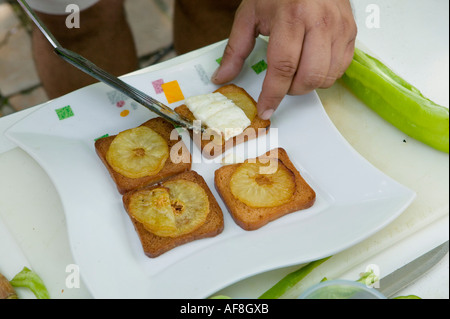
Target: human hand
[[311, 45]]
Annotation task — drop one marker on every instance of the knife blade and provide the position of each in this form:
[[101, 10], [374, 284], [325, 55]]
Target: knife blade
[[411, 272], [91, 69]]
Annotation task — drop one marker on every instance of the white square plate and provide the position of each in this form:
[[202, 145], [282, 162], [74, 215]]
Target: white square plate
[[354, 199]]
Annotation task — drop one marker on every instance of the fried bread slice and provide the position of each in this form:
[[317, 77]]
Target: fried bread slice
[[178, 161], [254, 217], [154, 245], [213, 146]]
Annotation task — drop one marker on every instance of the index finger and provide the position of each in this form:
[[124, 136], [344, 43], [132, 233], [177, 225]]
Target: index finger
[[283, 58]]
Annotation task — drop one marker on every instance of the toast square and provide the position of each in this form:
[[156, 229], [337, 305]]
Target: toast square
[[252, 218], [212, 149], [164, 128], [154, 245]]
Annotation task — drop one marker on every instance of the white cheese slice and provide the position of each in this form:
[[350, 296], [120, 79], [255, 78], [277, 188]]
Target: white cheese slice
[[219, 113]]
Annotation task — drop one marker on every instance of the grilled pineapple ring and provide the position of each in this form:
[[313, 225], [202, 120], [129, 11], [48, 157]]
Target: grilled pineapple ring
[[252, 186], [174, 209], [138, 152]]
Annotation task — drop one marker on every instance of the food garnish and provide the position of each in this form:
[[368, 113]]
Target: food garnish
[[138, 152], [176, 208]]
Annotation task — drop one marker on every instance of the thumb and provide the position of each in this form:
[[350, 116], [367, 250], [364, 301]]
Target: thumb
[[240, 45]]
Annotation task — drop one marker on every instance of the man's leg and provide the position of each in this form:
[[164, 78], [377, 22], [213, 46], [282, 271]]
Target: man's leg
[[104, 37], [202, 22]]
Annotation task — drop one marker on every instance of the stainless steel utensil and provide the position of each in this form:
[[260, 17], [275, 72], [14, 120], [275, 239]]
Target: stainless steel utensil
[[406, 275], [103, 76]]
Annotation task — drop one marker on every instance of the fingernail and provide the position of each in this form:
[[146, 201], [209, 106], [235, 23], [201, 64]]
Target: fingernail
[[215, 74], [267, 114]]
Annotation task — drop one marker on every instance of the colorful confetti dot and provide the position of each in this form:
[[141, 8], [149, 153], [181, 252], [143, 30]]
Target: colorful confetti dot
[[259, 67], [64, 112], [219, 60], [157, 86], [173, 92], [120, 103], [124, 113], [103, 136]]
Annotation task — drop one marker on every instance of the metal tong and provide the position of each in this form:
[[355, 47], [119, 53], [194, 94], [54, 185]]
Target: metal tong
[[90, 68]]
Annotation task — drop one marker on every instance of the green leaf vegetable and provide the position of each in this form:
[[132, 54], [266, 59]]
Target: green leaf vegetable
[[29, 279], [407, 297], [397, 101], [220, 297], [368, 278], [291, 280]]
